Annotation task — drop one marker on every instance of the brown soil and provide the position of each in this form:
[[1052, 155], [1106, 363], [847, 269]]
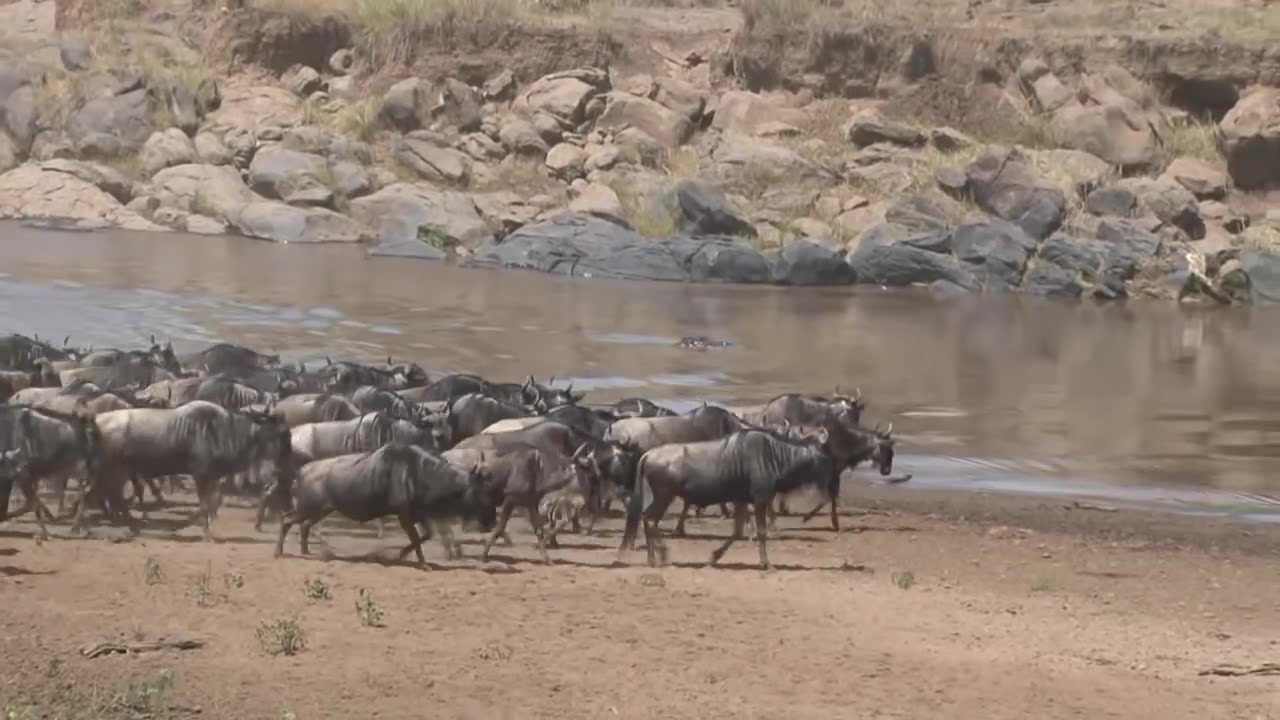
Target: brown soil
[[935, 605]]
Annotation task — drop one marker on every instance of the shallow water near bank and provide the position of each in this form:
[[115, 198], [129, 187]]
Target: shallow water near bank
[[1142, 404]]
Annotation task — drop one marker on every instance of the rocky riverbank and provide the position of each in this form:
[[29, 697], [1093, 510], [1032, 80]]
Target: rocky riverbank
[[771, 143]]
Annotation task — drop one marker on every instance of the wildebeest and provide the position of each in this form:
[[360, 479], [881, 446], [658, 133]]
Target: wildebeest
[[850, 446], [401, 480], [344, 376], [810, 410], [315, 407], [446, 389], [53, 445], [161, 356], [372, 399], [521, 476], [470, 414], [199, 439], [747, 467], [130, 368], [226, 358], [643, 434], [22, 353], [318, 441], [640, 408], [42, 395]]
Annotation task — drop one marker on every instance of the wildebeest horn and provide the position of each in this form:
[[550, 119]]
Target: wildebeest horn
[[328, 360], [66, 341], [857, 393], [551, 381], [578, 453], [569, 389], [528, 383], [153, 338], [889, 430], [877, 428]]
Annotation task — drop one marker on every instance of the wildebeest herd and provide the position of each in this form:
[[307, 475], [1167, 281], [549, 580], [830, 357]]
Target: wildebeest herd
[[371, 441]]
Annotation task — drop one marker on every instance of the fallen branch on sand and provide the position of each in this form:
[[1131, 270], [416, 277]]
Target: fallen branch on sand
[[1229, 670], [1077, 505], [129, 648]]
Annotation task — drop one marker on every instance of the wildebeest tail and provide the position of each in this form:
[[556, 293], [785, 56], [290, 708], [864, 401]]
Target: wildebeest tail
[[635, 506]]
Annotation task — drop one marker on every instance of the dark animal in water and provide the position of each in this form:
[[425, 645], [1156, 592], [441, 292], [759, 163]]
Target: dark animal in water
[[414, 485], [199, 439], [225, 358], [700, 343], [746, 468]]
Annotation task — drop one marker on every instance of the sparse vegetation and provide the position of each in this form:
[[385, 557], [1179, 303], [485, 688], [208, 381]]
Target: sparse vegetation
[[1193, 138], [201, 588], [369, 612], [435, 236], [1042, 585], [316, 589], [281, 637], [682, 162], [1262, 237], [152, 573], [233, 580], [146, 697], [359, 119], [904, 580]]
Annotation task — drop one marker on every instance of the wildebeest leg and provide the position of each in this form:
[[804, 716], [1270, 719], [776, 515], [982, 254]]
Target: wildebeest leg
[[782, 506], [415, 542], [761, 509], [724, 510], [499, 529], [286, 521], [262, 506], [154, 484], [452, 549], [382, 530], [684, 513], [536, 521], [655, 547], [739, 520], [304, 530]]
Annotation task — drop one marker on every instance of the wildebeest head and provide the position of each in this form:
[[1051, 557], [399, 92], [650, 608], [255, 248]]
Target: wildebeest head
[[412, 374], [437, 423], [13, 464], [163, 356], [270, 437], [883, 456], [850, 407]]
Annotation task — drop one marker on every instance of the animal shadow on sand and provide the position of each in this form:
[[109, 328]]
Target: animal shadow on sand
[[778, 567], [13, 571], [380, 557], [511, 562]]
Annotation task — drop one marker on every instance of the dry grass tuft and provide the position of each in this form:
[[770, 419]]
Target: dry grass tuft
[[682, 162], [1194, 138], [1262, 237], [360, 119]]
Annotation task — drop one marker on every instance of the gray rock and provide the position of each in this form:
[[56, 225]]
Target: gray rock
[[951, 180], [480, 147], [1203, 181], [31, 191], [186, 107], [107, 179], [350, 180], [398, 213], [302, 80], [722, 261], [623, 110], [996, 249], [500, 87], [520, 137], [566, 161], [919, 213], [211, 150], [804, 263], [602, 157], [166, 149], [1082, 258], [8, 153], [949, 140], [201, 225], [548, 128], [111, 126], [275, 221], [1170, 202], [639, 147], [1263, 271], [296, 178], [738, 156], [75, 52], [869, 128], [432, 162], [1114, 201], [21, 113], [596, 199], [563, 95], [404, 106], [213, 190], [1250, 136], [1084, 172], [900, 264], [704, 210], [1114, 118], [460, 103], [683, 98], [342, 62], [1052, 281], [1004, 184]]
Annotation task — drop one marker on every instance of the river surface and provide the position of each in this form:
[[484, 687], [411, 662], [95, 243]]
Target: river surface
[[1146, 404]]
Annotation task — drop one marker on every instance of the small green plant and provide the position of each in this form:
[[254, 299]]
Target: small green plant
[[233, 580], [904, 580], [201, 588], [316, 589], [369, 612], [435, 236], [360, 119], [1044, 585], [26, 712], [152, 574], [146, 697], [282, 637]]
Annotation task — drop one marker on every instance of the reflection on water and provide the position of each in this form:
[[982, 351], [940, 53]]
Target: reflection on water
[[1049, 393]]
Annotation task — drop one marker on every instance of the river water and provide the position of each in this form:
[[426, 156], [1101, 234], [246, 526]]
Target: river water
[[1146, 404]]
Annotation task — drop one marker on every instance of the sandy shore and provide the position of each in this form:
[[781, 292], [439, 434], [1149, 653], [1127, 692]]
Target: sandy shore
[[931, 605]]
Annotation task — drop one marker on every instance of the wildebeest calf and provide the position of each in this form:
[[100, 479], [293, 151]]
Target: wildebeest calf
[[521, 477]]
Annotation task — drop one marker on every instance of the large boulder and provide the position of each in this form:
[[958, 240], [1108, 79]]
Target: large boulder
[[1250, 135], [738, 158], [1003, 183], [566, 161], [596, 199], [8, 153], [111, 126], [1169, 202], [1079, 172], [868, 128], [703, 210], [401, 215], [1197, 176], [31, 191], [623, 110], [105, 178], [563, 95], [589, 246], [459, 103], [404, 106], [296, 178], [20, 113], [275, 221], [166, 149], [801, 262], [1113, 116], [683, 98], [215, 191], [433, 162], [1263, 271], [920, 213], [1042, 86], [249, 113], [743, 112], [519, 136], [903, 264], [997, 250]]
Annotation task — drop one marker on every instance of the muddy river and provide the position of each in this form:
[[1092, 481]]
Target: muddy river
[[1144, 403]]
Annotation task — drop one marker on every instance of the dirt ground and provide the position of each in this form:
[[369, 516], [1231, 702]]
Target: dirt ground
[[930, 605]]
